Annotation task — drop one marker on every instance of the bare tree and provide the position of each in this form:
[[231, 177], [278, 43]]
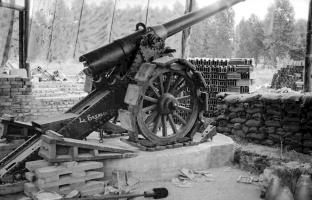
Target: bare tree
[[5, 55]]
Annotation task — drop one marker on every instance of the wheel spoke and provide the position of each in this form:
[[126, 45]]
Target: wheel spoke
[[168, 82], [179, 118], [154, 89], [148, 108], [177, 83], [174, 128], [150, 99], [161, 80], [184, 109], [157, 124], [151, 117], [164, 126], [183, 97], [182, 88]]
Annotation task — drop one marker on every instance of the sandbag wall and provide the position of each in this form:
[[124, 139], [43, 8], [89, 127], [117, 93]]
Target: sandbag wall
[[268, 119]]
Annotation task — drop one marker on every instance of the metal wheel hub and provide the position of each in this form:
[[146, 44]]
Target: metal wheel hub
[[167, 104]]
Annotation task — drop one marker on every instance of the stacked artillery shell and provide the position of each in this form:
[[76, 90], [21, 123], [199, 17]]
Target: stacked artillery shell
[[290, 77], [223, 75]]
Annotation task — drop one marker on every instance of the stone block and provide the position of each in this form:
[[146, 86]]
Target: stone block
[[30, 176], [33, 165], [92, 188], [30, 189]]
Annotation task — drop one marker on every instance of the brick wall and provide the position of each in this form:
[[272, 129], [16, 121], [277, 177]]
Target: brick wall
[[15, 96], [27, 101], [268, 119]]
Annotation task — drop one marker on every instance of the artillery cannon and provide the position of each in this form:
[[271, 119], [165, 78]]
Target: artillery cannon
[[137, 80]]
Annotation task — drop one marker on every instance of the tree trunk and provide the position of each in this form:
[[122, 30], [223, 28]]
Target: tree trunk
[[6, 51], [189, 6]]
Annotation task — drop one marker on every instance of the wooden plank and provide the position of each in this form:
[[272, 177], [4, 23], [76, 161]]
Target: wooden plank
[[83, 144], [65, 149]]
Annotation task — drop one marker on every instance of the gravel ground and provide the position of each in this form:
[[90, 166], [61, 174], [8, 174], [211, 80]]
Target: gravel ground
[[223, 187]]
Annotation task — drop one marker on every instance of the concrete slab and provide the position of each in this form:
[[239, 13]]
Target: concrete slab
[[165, 164]]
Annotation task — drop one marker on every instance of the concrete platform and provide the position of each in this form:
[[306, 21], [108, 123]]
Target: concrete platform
[[164, 165]]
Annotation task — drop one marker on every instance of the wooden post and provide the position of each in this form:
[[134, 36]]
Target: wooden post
[[26, 35], [308, 58], [21, 43]]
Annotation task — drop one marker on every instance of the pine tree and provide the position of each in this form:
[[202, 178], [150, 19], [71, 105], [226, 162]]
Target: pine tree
[[280, 29], [298, 50], [213, 37]]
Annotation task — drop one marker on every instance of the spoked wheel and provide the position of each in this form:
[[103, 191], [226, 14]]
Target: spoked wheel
[[168, 107]]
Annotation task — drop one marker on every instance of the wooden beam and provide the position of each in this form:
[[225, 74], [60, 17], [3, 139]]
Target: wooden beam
[[8, 5], [21, 39], [26, 35], [308, 58]]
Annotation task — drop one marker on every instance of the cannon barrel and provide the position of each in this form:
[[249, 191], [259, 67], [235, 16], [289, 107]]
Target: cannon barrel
[[123, 50]]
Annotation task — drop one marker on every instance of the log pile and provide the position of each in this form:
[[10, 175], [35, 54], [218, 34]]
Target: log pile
[[290, 77], [268, 119]]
